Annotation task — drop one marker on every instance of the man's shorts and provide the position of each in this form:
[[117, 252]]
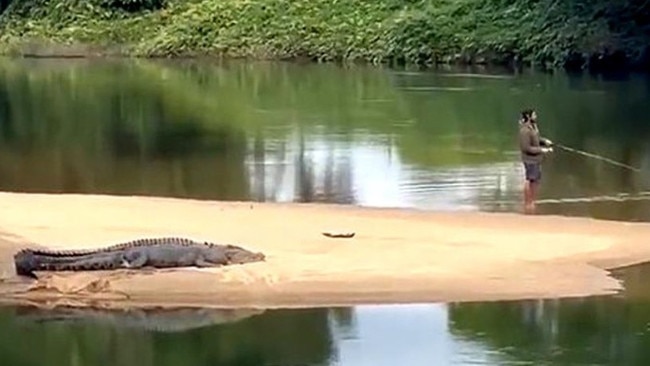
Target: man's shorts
[[533, 171]]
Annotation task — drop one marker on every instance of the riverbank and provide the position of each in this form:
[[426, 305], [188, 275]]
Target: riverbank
[[387, 31], [396, 255]]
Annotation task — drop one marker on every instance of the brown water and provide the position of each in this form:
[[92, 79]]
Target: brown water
[[440, 140]]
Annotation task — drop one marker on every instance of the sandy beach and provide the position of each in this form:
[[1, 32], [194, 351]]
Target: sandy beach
[[396, 256]]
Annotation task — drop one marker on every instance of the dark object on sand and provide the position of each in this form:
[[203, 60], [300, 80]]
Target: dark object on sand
[[339, 235]]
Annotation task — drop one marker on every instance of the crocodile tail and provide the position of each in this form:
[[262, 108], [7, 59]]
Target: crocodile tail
[[83, 252], [25, 263], [62, 253]]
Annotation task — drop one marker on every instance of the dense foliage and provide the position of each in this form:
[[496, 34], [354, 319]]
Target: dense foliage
[[547, 32]]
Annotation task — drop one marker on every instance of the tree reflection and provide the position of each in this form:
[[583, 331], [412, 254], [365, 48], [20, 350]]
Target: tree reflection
[[277, 131], [296, 337], [123, 140], [573, 331]]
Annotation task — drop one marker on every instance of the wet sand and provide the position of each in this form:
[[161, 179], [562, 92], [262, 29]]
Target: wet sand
[[396, 256]]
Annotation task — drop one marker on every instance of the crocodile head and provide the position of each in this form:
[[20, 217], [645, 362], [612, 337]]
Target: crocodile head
[[238, 255]]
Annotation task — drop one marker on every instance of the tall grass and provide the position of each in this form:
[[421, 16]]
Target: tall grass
[[545, 32]]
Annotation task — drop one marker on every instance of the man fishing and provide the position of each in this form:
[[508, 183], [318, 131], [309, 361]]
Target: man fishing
[[533, 148]]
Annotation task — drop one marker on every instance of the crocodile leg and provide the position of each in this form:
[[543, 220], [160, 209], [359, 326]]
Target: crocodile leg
[[138, 260], [202, 263]]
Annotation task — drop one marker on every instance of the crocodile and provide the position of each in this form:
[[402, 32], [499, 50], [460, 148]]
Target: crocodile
[[164, 252]]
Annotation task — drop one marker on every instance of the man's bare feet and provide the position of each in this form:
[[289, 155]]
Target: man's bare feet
[[529, 209]]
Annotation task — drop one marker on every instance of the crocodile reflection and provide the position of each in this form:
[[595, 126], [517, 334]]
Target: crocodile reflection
[[149, 319]]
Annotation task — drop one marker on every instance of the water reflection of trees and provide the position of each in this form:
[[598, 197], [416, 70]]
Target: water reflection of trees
[[334, 185], [273, 131], [343, 320], [573, 331], [62, 134], [296, 337], [122, 136]]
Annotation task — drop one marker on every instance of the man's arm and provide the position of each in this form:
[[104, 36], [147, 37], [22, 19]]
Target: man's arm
[[545, 142], [525, 145]]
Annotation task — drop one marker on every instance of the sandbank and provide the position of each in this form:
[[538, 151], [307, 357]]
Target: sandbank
[[396, 256]]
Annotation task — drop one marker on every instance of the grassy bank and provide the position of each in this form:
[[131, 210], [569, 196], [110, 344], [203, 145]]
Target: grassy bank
[[555, 33]]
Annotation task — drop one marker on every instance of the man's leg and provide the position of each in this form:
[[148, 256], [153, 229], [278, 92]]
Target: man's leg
[[532, 176], [529, 205], [526, 194], [533, 194]]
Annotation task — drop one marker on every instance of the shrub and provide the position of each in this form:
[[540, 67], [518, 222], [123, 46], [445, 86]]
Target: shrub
[[549, 32]]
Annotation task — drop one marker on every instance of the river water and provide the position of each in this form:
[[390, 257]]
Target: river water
[[270, 131], [596, 331]]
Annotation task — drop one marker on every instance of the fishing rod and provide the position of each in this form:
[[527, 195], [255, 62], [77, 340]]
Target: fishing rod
[[598, 157]]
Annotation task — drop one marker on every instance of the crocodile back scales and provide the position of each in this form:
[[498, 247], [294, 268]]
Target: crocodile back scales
[[126, 245]]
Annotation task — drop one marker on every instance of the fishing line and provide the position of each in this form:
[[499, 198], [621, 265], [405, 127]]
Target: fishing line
[[621, 197], [595, 199], [598, 157]]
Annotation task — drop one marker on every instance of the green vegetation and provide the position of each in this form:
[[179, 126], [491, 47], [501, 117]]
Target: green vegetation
[[545, 32], [87, 338]]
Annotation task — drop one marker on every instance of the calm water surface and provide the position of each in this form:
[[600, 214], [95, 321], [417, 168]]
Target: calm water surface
[[319, 133], [595, 331]]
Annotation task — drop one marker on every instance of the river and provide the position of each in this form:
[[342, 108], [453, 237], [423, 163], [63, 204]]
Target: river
[[272, 131]]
